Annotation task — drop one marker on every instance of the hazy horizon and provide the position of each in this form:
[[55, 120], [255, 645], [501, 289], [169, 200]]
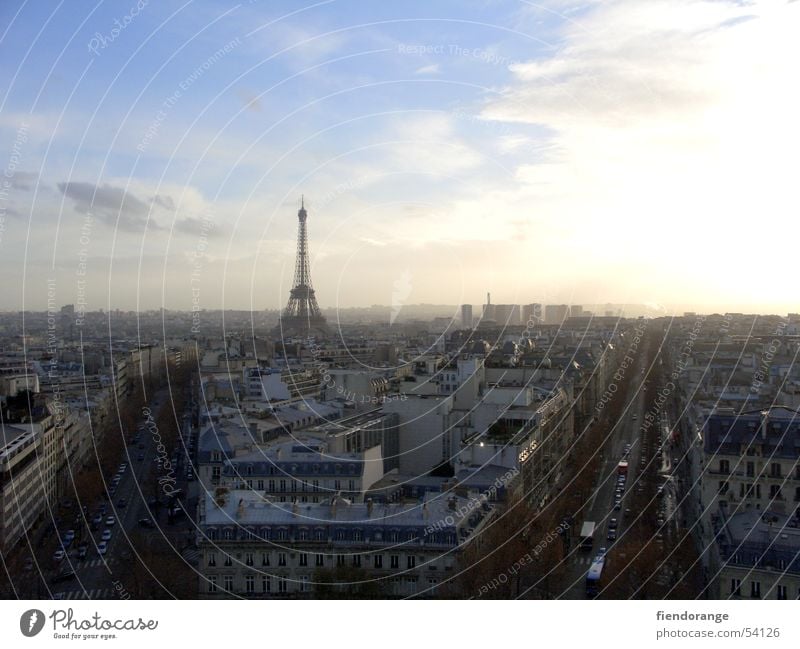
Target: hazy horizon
[[515, 149]]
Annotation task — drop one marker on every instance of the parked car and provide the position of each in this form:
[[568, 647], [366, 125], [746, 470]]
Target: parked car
[[146, 522], [102, 548], [122, 503], [140, 457], [66, 575], [110, 521], [59, 555], [612, 535], [83, 550], [106, 535]]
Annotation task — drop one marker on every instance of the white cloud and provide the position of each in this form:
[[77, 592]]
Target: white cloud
[[428, 69]]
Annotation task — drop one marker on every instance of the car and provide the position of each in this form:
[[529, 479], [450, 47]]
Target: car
[[69, 535], [122, 503], [66, 575], [612, 524], [602, 552], [140, 457], [103, 509], [146, 522], [110, 521], [106, 535], [102, 548], [123, 466], [617, 505], [83, 551], [612, 535], [635, 417], [59, 555]]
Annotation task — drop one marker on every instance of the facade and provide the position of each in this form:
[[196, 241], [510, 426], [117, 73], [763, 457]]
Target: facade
[[750, 461], [759, 555], [304, 470], [252, 547]]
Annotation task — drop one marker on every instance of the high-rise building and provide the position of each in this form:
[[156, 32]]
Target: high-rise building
[[466, 316], [507, 315], [576, 310], [531, 314], [555, 313]]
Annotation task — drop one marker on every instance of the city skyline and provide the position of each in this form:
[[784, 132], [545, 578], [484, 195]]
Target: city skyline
[[514, 149]]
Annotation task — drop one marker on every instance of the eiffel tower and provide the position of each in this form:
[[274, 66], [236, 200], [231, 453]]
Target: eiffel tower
[[302, 316]]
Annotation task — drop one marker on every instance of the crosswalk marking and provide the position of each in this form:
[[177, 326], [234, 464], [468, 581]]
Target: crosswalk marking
[[94, 593]]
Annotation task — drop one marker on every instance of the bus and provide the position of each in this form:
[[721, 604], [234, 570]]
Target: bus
[[594, 576], [587, 535]]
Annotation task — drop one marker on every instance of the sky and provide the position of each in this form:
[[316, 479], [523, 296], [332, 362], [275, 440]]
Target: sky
[[154, 153]]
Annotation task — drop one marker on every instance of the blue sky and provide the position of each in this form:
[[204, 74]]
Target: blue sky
[[532, 149]]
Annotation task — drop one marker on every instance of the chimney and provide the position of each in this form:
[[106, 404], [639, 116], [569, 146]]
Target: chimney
[[764, 423], [334, 503], [451, 503], [295, 508], [369, 507], [240, 509], [425, 511]]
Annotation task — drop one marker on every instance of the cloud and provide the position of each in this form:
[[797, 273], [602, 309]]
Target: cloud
[[250, 100], [113, 205], [24, 180], [428, 69]]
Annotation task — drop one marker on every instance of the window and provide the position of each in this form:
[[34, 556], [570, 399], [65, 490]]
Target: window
[[751, 469], [797, 494], [281, 585], [212, 559], [271, 484], [315, 485], [736, 587], [351, 485], [260, 484], [281, 558], [264, 558], [303, 559], [303, 534], [250, 584], [283, 485], [340, 558], [212, 585], [723, 486], [337, 485], [782, 592], [229, 583], [724, 466], [215, 473], [304, 584], [395, 559], [248, 559], [356, 560], [358, 535], [320, 535], [379, 561], [340, 535], [775, 470], [319, 560], [266, 584], [775, 492], [228, 560], [227, 534], [755, 589], [411, 561]]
